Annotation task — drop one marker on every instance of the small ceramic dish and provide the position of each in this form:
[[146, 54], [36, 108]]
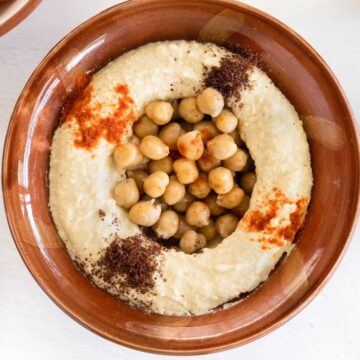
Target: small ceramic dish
[[13, 12], [295, 68]]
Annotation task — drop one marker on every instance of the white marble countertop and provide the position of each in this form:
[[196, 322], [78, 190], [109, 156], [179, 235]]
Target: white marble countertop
[[33, 327]]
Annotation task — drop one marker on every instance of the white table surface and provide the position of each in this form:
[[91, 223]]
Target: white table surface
[[33, 327]]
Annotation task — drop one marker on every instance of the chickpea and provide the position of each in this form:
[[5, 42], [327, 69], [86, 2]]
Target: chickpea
[[191, 242], [155, 184], [209, 231], [207, 162], [182, 205], [210, 102], [241, 209], [153, 148], [226, 121], [189, 110], [186, 170], [165, 164], [160, 112], [174, 192], [190, 145], [226, 224], [157, 201], [145, 213], [126, 156], [247, 182], [207, 130], [145, 126], [236, 136], [197, 214], [221, 180], [236, 162], [170, 134], [167, 225], [222, 146], [215, 209], [231, 199], [200, 188], [139, 176], [183, 226], [126, 193]]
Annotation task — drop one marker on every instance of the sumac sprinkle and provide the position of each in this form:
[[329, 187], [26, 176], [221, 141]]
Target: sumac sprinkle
[[130, 263]]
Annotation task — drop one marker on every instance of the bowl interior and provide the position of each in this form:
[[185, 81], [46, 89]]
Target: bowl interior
[[295, 68]]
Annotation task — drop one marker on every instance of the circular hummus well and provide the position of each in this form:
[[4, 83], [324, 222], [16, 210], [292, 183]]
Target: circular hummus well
[[83, 176]]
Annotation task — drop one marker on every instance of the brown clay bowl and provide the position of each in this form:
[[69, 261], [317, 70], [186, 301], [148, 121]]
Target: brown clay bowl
[[299, 72], [12, 12]]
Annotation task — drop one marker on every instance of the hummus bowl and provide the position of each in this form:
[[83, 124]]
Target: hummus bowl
[[294, 67]]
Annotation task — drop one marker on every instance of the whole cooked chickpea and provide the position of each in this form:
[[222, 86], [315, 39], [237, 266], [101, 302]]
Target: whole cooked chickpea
[[226, 121], [189, 110], [155, 184], [231, 199], [226, 224], [183, 226], [186, 170], [207, 162], [200, 188], [153, 148], [182, 205], [191, 242], [197, 214], [165, 164], [222, 146], [190, 145], [174, 192], [221, 180], [157, 201], [145, 213], [167, 225], [241, 209], [207, 130], [215, 209], [144, 127], [247, 182], [210, 101], [238, 161], [139, 176], [160, 112], [209, 231], [170, 134], [126, 156], [126, 193]]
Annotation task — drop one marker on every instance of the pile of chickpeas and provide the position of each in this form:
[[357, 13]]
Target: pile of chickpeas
[[187, 176]]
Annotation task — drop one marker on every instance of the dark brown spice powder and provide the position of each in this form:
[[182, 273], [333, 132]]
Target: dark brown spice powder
[[230, 77], [130, 263]]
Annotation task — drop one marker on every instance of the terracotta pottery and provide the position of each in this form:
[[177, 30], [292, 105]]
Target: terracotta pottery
[[295, 68], [12, 12]]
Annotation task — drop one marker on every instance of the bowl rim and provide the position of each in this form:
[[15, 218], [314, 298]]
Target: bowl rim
[[19, 16], [306, 298]]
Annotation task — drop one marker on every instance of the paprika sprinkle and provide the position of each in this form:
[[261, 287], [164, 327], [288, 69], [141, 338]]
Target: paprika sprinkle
[[92, 126]]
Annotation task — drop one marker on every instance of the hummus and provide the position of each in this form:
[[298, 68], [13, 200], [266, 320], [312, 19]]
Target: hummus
[[82, 179]]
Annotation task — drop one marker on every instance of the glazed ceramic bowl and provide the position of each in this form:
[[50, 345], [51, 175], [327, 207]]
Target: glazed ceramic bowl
[[12, 12], [295, 68]]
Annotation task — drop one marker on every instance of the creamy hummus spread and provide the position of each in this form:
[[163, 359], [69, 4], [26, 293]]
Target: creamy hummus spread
[[83, 177]]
